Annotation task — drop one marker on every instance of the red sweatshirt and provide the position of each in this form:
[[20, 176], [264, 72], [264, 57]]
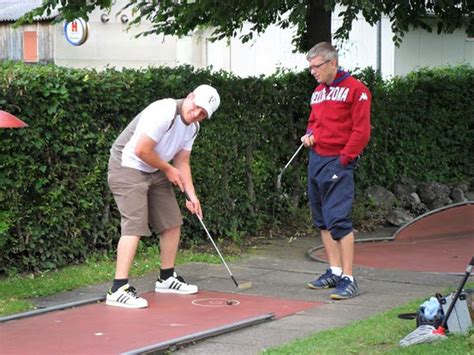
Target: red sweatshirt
[[340, 117]]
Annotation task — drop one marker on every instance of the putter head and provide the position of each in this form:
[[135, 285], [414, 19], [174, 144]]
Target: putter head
[[279, 182], [245, 285]]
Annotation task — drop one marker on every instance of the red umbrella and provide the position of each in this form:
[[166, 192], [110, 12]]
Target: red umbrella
[[7, 120]]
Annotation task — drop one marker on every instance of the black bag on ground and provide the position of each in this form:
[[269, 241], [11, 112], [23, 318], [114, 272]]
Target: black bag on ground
[[422, 320]]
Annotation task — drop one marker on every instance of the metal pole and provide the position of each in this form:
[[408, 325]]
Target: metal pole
[[379, 47]]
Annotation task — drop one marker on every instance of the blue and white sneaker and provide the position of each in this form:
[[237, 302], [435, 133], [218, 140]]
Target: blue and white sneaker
[[175, 284], [326, 280], [345, 289]]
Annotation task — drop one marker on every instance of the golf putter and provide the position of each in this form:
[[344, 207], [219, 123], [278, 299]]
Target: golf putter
[[241, 286], [289, 162]]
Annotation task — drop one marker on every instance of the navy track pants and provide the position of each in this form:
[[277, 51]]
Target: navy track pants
[[331, 193]]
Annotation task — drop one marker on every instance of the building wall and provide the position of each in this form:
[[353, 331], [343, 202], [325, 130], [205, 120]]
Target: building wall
[[273, 50], [360, 50], [11, 41], [469, 49], [267, 53], [422, 49], [111, 45]]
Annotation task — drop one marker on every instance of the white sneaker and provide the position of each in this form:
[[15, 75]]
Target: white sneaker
[[175, 284], [125, 296]]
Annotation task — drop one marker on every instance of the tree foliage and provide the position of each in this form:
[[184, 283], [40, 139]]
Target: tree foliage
[[311, 18], [447, 15]]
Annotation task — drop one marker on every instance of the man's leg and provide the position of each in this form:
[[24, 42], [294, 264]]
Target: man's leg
[[337, 213], [347, 287], [331, 248], [346, 251], [169, 281], [169, 243], [121, 293], [129, 192], [316, 191], [126, 249], [333, 274]]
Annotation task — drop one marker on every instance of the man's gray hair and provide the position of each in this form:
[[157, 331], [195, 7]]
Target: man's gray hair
[[324, 50]]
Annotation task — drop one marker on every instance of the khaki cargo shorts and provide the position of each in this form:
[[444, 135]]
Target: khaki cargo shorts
[[144, 199]]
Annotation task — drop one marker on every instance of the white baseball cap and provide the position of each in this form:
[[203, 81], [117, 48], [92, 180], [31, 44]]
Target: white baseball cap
[[207, 97]]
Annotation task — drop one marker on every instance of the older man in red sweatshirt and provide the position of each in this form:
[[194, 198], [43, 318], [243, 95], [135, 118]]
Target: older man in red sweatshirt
[[337, 132]]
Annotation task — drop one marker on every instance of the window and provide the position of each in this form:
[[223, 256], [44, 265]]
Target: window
[[30, 46]]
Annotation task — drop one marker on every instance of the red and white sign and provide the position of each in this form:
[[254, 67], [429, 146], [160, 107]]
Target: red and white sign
[[76, 32]]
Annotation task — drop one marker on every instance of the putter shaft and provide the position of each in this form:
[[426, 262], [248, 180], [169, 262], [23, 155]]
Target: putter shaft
[[293, 157], [213, 243], [289, 162], [217, 249]]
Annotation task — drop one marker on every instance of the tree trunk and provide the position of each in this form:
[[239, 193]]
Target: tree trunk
[[248, 172], [318, 23]]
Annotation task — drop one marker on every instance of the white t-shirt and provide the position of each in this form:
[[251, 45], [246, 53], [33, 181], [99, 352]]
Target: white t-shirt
[[155, 121]]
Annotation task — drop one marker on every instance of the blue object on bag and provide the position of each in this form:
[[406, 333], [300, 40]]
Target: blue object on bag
[[431, 308], [430, 313]]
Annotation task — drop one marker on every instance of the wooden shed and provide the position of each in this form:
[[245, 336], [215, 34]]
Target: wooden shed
[[32, 43]]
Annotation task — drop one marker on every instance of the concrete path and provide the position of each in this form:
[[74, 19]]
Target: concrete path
[[281, 269]]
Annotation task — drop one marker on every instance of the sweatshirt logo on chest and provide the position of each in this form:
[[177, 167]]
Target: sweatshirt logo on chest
[[336, 93]]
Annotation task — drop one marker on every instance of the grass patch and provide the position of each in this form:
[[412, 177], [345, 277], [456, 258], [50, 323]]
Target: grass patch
[[16, 291], [377, 335]]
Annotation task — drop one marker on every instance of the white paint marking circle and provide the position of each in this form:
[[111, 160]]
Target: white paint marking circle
[[214, 302]]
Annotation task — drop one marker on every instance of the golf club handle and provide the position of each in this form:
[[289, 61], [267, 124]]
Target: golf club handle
[[458, 291], [187, 196]]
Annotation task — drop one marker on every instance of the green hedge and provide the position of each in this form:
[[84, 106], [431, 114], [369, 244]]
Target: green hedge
[[55, 206], [423, 128]]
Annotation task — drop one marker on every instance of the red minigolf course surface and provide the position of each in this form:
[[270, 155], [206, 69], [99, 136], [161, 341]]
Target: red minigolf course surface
[[101, 329], [440, 241]]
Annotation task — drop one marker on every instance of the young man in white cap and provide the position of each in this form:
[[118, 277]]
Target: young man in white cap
[[141, 178]]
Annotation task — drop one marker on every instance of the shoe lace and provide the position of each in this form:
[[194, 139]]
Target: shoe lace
[[328, 273], [344, 282], [180, 279], [132, 291]]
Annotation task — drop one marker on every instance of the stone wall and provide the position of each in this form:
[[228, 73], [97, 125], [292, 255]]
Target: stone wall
[[408, 199]]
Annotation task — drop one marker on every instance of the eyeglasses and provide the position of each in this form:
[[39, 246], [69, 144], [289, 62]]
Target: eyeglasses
[[317, 66]]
